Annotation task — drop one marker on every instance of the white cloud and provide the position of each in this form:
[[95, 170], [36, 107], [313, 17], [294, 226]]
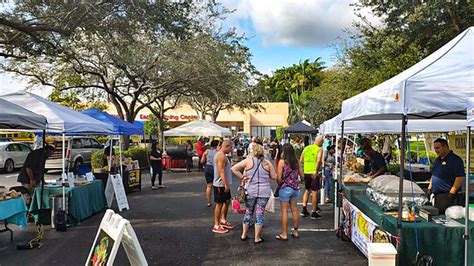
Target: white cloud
[[295, 22]]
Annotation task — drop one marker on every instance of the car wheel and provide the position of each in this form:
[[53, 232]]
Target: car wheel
[[9, 166]]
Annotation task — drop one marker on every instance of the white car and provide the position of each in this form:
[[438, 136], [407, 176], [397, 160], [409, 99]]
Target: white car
[[78, 152], [13, 155]]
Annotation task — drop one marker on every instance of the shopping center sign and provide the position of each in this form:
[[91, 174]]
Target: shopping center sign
[[181, 117]]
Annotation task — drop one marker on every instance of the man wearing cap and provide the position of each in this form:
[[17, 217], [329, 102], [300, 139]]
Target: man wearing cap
[[33, 168]]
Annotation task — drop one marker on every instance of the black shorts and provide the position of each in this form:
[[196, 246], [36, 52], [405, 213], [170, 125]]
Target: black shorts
[[220, 196], [311, 184]]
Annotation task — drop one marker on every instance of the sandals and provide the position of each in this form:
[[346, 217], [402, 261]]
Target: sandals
[[296, 236], [244, 239], [258, 242], [279, 237]]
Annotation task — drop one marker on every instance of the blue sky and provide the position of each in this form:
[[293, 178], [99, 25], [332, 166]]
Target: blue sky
[[280, 32]]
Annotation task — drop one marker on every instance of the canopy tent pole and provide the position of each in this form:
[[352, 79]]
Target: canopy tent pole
[[336, 189], [111, 146], [466, 218], [427, 149], [341, 174], [400, 188], [63, 165], [120, 154]]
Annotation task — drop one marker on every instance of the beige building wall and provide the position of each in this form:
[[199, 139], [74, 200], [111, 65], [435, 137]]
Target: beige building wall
[[271, 115]]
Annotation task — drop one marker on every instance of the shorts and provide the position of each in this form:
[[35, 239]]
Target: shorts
[[288, 193], [209, 174], [220, 196], [311, 184]]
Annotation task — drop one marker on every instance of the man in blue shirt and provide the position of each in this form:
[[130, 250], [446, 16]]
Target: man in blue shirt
[[447, 176]]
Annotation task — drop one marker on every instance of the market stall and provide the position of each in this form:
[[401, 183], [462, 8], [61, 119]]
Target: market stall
[[84, 200], [176, 154], [60, 121], [435, 88], [132, 175], [12, 206], [303, 127]]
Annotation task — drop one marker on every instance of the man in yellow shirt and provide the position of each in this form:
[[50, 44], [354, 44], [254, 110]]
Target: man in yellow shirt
[[312, 158]]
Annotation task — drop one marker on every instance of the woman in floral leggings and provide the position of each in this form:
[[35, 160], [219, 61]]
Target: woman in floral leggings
[[257, 175]]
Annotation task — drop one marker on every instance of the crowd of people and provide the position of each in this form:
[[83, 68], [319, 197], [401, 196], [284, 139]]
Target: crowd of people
[[266, 161]]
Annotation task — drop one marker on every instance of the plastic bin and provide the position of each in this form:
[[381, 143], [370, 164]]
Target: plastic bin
[[381, 254]]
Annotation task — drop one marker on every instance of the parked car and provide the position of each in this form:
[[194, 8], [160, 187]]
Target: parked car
[[78, 152], [13, 155]]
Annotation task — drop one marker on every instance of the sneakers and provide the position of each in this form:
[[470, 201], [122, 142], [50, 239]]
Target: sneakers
[[227, 225], [153, 188], [161, 186], [219, 230], [315, 216], [318, 210], [304, 212]]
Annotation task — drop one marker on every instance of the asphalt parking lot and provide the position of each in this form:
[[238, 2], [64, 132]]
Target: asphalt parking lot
[[174, 226]]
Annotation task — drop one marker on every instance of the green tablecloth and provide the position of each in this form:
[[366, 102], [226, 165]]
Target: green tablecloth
[[354, 189], [84, 200], [444, 244]]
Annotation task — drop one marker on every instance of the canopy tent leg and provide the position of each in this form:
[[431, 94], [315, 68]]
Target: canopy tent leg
[[466, 219], [63, 165], [427, 149], [400, 188], [120, 154], [110, 153], [339, 177], [336, 189]]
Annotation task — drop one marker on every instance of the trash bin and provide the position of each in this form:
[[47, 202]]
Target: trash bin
[[382, 254]]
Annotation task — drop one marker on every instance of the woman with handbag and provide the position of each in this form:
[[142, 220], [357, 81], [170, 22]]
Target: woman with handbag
[[289, 173], [258, 174]]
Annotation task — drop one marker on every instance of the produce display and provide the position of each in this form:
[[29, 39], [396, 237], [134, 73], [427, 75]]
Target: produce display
[[354, 178], [353, 165]]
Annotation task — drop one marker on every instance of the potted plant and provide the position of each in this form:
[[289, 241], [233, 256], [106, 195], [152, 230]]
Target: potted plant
[[97, 161]]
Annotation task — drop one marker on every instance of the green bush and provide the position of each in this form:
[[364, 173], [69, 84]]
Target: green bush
[[432, 155], [280, 132], [138, 153], [97, 159], [393, 168]]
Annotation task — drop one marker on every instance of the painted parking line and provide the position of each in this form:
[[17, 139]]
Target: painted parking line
[[316, 230], [9, 176]]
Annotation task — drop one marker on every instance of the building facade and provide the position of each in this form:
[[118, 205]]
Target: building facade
[[256, 123]]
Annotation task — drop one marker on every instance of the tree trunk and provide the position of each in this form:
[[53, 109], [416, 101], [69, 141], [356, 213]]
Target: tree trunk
[[162, 129], [214, 116]]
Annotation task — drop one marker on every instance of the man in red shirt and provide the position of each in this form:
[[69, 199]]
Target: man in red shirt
[[200, 149]]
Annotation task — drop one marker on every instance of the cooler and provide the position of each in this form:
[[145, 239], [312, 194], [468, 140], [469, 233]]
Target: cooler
[[381, 254]]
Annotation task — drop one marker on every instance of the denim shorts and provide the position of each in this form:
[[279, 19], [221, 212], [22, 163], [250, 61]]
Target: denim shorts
[[287, 194]]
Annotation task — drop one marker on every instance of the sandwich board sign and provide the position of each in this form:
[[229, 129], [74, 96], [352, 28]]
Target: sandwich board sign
[[113, 231], [115, 187]]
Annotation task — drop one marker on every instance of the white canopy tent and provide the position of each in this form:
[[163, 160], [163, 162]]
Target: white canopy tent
[[198, 128], [61, 120], [333, 126], [435, 87], [16, 117]]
